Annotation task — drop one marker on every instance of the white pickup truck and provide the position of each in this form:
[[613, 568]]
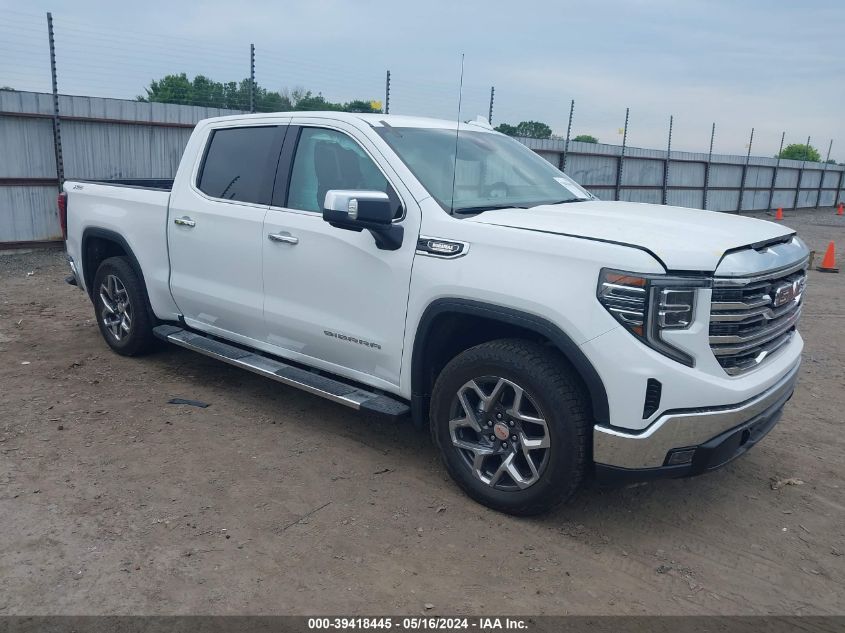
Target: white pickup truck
[[401, 265]]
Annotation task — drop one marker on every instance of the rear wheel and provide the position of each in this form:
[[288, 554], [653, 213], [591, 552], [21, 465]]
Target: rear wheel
[[122, 308], [512, 422]]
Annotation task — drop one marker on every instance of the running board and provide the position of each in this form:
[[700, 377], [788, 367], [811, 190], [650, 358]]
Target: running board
[[329, 388]]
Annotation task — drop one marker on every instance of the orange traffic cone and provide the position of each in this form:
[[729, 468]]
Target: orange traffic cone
[[779, 214], [829, 261], [841, 210]]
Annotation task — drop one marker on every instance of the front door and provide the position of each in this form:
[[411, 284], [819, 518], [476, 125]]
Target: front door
[[332, 298], [215, 231]]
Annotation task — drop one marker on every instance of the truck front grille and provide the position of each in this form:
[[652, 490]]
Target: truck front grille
[[751, 318]]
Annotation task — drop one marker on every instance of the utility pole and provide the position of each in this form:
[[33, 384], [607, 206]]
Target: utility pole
[[490, 114], [621, 166], [775, 172], [387, 94], [801, 174], [821, 177], [57, 128], [666, 164], [708, 165], [252, 77], [568, 132], [744, 174]]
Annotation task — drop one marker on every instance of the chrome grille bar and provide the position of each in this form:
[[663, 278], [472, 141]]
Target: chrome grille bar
[[746, 327], [741, 305], [750, 314], [731, 345]]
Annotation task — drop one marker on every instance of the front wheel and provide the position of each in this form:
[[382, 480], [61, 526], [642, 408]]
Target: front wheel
[[511, 422], [122, 308]]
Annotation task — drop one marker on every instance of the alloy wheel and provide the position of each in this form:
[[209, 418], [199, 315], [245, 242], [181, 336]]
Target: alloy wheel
[[117, 309], [500, 432]]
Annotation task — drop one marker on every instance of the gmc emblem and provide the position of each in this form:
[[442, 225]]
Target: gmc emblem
[[787, 292]]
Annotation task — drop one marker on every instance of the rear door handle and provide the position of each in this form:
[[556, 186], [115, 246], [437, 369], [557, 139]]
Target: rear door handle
[[184, 221], [284, 236]]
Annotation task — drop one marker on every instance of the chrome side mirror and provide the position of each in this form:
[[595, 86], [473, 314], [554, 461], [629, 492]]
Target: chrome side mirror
[[358, 210], [357, 206]]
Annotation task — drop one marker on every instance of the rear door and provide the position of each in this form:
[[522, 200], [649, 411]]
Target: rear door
[[215, 229]]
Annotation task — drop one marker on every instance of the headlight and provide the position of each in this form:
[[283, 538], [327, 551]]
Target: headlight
[[648, 305]]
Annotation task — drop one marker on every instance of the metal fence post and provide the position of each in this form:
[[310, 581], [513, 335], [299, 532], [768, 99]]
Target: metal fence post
[[775, 172], [57, 128], [387, 93], [252, 77], [801, 174], [838, 197], [490, 113], [822, 175], [707, 166], [666, 164], [621, 166], [562, 165], [744, 174]]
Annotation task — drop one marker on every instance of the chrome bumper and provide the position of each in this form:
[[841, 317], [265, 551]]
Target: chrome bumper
[[686, 428]]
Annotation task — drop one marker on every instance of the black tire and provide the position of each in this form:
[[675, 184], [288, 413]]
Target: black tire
[[554, 392], [139, 338]]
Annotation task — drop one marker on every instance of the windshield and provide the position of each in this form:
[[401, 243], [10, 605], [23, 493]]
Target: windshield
[[493, 170]]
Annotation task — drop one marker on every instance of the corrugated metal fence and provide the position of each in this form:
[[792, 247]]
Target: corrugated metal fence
[[101, 138], [718, 182], [113, 138]]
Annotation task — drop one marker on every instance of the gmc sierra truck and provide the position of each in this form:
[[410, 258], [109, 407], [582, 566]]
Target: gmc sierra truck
[[441, 270]]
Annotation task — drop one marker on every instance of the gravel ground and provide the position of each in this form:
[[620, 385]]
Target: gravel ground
[[273, 501]]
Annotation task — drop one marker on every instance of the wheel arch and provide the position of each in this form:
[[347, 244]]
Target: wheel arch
[[447, 314], [99, 244]]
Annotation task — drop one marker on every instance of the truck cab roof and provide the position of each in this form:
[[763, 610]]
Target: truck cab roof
[[373, 119]]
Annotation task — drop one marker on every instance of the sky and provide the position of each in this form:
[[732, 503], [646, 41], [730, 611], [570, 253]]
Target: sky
[[770, 65]]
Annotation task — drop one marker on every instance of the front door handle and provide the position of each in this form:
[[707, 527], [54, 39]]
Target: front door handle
[[285, 237], [184, 221]]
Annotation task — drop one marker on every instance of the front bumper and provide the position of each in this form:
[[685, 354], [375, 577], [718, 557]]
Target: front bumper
[[689, 442]]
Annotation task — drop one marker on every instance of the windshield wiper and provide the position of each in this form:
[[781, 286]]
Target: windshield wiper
[[564, 201], [485, 207], [493, 207]]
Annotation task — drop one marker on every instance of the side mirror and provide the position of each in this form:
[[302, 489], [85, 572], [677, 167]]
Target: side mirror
[[358, 210]]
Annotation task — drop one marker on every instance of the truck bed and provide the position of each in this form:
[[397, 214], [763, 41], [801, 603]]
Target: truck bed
[[136, 211], [161, 184]]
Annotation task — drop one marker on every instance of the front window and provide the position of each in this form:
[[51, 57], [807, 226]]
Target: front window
[[325, 160], [492, 171]]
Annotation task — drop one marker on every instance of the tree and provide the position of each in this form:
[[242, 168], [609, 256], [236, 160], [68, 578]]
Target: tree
[[586, 138], [8, 88], [359, 105], [530, 129], [799, 151], [533, 129], [506, 128], [169, 89], [310, 102], [202, 91]]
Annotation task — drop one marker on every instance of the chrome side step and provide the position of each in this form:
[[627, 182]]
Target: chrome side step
[[329, 388]]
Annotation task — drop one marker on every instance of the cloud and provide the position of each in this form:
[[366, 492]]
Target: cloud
[[771, 65]]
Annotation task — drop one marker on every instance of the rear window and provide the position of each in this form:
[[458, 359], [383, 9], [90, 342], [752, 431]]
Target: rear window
[[239, 164]]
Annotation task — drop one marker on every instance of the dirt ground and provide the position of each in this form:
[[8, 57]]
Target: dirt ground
[[274, 501]]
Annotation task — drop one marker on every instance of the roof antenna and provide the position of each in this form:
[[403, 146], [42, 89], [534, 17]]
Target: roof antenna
[[457, 133]]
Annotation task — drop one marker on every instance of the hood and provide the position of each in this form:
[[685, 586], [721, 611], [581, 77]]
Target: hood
[[681, 238]]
